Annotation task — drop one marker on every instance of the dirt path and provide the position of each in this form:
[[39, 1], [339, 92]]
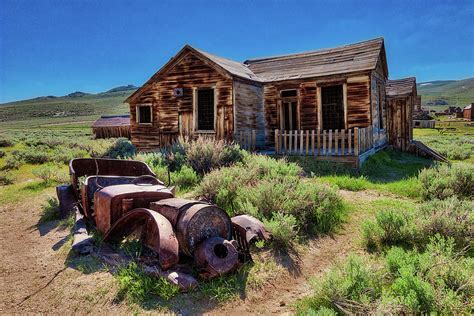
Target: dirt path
[[319, 255], [32, 263]]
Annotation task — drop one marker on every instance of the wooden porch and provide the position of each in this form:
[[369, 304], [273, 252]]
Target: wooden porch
[[346, 145]]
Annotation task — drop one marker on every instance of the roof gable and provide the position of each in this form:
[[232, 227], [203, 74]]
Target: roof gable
[[401, 87]]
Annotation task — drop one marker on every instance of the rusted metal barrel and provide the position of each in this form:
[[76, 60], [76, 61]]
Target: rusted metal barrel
[[194, 221], [216, 256]]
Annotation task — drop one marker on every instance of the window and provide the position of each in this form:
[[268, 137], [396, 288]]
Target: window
[[289, 110], [332, 107], [144, 114], [205, 109], [381, 106]]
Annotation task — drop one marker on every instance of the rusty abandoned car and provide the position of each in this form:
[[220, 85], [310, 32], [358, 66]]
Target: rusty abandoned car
[[121, 198]]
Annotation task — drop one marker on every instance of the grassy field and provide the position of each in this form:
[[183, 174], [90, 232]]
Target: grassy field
[[453, 92], [341, 229]]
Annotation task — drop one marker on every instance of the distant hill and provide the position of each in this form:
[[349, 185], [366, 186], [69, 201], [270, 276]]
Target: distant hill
[[75, 107], [443, 93]]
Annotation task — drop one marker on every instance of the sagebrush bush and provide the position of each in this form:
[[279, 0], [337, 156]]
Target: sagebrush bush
[[6, 178], [445, 181], [51, 173], [2, 154], [203, 155], [265, 186], [11, 162], [121, 148], [449, 218], [6, 142], [283, 227], [185, 178], [354, 280], [32, 155]]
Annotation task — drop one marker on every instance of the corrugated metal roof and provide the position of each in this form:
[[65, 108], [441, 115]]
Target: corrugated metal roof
[[112, 120], [401, 86], [349, 58]]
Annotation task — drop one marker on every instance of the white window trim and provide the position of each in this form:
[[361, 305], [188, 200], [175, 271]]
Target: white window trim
[[195, 109], [137, 113]]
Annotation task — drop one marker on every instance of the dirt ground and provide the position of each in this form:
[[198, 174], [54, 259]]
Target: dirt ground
[[37, 277]]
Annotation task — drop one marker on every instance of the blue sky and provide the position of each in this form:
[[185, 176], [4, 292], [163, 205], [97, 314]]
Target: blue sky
[[56, 47]]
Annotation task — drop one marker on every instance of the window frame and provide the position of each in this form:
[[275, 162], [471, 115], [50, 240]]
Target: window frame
[[196, 111], [137, 113], [283, 100]]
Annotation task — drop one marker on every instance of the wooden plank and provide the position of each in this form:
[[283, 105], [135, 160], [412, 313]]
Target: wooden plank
[[312, 142], [330, 143], [277, 144], [343, 142], [324, 142], [296, 142], [356, 141], [349, 142], [301, 142], [336, 142], [307, 142], [290, 147], [319, 141], [286, 142], [254, 139]]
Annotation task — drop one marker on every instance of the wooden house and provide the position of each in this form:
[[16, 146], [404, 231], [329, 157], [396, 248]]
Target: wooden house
[[468, 114], [329, 103], [108, 126]]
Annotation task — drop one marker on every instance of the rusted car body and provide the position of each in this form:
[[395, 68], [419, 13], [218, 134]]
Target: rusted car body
[[123, 197]]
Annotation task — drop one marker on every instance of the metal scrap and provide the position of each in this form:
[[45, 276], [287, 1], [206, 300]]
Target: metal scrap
[[215, 256]]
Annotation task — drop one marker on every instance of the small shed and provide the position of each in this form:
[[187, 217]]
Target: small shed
[[108, 126], [402, 98], [468, 114]]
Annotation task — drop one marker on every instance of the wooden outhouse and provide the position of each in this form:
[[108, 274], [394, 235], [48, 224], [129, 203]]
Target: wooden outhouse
[[402, 97], [329, 103], [468, 114]]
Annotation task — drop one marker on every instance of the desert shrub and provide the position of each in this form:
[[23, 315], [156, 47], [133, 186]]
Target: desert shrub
[[64, 155], [2, 154], [445, 181], [32, 155], [265, 186], [283, 228], [437, 280], [137, 287], [11, 162], [6, 178], [353, 280], [185, 178], [51, 173], [390, 227], [121, 148], [449, 218], [204, 155], [6, 142]]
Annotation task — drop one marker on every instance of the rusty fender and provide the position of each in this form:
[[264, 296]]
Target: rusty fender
[[157, 234], [254, 229], [216, 256]]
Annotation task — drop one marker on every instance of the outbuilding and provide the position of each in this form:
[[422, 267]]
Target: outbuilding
[[108, 126]]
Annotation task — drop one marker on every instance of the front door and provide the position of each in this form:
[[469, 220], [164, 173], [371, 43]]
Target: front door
[[290, 118], [332, 107]]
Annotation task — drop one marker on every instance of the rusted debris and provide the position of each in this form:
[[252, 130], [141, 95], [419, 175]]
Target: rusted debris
[[170, 208], [122, 198], [255, 230], [67, 200], [82, 242], [183, 281], [108, 201], [215, 256], [156, 233], [200, 222]]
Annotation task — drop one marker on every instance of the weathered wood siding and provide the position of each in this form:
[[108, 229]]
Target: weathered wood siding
[[378, 95], [248, 104], [172, 115], [358, 101]]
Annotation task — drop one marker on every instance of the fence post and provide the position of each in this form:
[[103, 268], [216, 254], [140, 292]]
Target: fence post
[[356, 142], [301, 142], [254, 139], [277, 145]]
